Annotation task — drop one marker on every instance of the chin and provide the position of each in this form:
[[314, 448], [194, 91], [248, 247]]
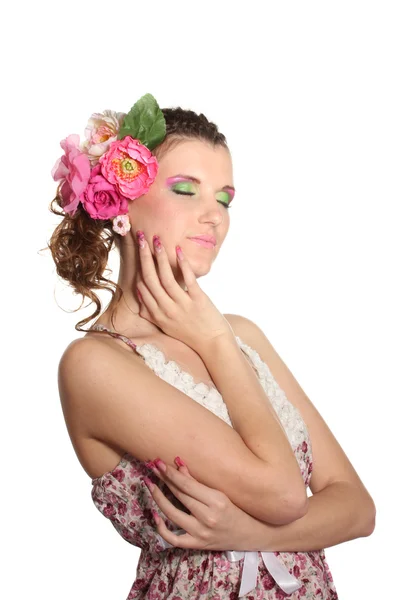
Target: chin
[[201, 269]]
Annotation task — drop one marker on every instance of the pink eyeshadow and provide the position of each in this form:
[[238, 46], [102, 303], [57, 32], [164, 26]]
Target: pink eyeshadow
[[172, 180]]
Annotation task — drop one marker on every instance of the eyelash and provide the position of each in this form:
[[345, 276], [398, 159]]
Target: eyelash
[[192, 194]]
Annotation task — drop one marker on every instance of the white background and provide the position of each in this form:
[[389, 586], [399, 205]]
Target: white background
[[308, 97]]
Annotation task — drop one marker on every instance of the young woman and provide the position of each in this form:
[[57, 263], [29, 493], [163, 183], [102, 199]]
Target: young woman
[[236, 521]]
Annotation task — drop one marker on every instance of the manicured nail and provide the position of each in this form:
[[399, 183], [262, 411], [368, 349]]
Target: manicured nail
[[157, 243], [156, 517], [160, 464], [179, 462], [179, 252], [150, 465], [149, 483], [140, 238]]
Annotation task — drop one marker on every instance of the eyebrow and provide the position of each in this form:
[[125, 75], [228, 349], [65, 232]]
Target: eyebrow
[[226, 187]]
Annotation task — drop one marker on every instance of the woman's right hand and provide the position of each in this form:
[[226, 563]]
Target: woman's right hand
[[188, 316]]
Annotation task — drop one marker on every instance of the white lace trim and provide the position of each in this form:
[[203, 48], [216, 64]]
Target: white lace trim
[[288, 414], [209, 396]]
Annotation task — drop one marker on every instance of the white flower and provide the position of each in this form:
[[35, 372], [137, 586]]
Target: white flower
[[121, 224], [102, 129]]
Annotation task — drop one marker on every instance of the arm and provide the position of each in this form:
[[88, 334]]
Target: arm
[[338, 513], [119, 401], [341, 507], [257, 423]]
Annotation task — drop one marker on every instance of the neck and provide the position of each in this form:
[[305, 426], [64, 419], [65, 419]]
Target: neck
[[126, 318]]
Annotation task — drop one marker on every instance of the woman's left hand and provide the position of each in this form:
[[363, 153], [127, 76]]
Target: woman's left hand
[[215, 523]]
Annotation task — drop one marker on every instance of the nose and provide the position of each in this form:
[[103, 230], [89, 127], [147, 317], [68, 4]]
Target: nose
[[212, 216], [212, 210]]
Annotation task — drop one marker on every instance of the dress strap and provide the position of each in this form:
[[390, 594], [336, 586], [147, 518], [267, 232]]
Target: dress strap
[[115, 334]]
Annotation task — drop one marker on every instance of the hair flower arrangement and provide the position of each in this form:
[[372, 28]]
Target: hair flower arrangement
[[113, 165]]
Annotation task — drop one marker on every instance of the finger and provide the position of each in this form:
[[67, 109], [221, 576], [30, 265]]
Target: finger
[[176, 515], [189, 489], [140, 289], [147, 301], [166, 274], [182, 467], [179, 541], [185, 471], [197, 508], [151, 279], [189, 277]]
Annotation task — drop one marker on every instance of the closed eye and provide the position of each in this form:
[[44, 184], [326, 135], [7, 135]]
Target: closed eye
[[192, 194]]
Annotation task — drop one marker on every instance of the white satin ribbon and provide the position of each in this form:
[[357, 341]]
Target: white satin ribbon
[[277, 570]]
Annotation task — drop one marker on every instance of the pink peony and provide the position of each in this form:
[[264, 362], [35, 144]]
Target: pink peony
[[102, 129], [73, 169], [130, 166], [101, 199]]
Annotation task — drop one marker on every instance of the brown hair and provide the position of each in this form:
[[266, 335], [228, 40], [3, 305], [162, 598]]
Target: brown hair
[[80, 245]]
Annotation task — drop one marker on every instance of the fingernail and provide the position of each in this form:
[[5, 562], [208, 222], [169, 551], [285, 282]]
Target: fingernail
[[140, 238], [155, 515], [179, 252], [157, 243], [150, 465], [160, 464], [179, 462], [149, 483]]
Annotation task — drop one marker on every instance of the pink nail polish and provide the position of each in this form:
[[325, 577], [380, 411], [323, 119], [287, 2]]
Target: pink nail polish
[[179, 252], [140, 238], [179, 462], [150, 465], [160, 464], [157, 243], [149, 483], [156, 517]]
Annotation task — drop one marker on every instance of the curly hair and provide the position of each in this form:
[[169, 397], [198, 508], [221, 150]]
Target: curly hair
[[80, 245]]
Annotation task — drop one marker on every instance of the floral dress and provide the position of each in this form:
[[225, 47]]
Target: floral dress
[[165, 572]]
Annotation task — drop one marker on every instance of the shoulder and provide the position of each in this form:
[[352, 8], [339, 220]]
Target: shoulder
[[252, 335], [78, 361], [81, 351], [92, 346], [87, 358]]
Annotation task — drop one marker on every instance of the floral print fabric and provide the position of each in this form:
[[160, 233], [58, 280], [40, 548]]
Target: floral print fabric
[[179, 573]]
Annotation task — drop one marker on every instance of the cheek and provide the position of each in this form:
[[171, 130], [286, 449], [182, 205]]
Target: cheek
[[172, 214]]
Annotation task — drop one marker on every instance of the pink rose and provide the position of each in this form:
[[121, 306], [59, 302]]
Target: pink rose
[[130, 166], [101, 199], [73, 169]]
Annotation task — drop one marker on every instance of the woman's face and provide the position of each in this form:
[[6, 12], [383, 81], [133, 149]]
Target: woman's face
[[176, 208]]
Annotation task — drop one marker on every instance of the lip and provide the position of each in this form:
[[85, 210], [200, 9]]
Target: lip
[[209, 240], [203, 243]]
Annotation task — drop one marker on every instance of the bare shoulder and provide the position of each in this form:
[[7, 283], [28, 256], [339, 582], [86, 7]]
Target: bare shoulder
[[251, 334], [82, 351], [90, 346], [85, 358]]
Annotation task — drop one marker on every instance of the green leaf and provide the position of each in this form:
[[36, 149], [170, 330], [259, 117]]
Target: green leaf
[[144, 122]]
